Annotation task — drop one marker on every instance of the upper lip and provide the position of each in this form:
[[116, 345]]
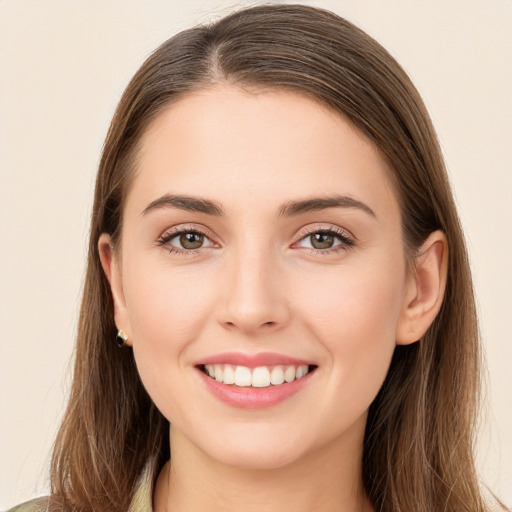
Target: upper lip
[[253, 360]]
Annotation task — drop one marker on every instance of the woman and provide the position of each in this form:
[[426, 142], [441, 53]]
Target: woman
[[275, 246]]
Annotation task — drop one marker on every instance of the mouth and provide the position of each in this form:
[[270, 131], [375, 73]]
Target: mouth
[[256, 377], [254, 381]]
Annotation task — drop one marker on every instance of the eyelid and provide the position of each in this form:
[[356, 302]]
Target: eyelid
[[327, 226], [346, 237], [174, 231]]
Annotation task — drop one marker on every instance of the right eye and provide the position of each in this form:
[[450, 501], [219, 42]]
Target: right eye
[[185, 240]]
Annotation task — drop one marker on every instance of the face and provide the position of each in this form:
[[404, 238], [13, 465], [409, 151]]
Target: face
[[261, 244]]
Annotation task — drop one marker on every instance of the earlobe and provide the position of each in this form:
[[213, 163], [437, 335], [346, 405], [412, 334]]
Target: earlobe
[[425, 289], [111, 267]]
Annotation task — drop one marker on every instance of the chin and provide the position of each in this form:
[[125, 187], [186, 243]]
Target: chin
[[256, 457], [249, 448]]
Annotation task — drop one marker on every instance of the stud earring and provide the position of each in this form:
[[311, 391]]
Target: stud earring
[[121, 338]]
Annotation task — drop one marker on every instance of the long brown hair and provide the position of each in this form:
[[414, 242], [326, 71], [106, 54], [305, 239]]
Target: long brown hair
[[419, 437]]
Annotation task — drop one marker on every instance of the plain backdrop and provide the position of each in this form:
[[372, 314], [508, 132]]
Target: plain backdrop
[[63, 67]]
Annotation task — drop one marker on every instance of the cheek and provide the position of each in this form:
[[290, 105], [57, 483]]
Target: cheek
[[167, 308], [355, 317], [357, 305]]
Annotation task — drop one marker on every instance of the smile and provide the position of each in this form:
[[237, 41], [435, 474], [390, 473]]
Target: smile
[[259, 377], [254, 381]]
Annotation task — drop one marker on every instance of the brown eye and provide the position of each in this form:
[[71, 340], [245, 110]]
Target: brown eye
[[185, 241], [322, 240], [191, 240], [326, 241]]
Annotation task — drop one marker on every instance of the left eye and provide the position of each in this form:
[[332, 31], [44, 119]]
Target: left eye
[[189, 240], [323, 240]]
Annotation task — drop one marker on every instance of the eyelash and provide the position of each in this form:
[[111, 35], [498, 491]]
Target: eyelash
[[173, 233], [347, 241]]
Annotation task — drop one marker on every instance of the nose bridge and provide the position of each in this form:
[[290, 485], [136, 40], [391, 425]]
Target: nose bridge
[[254, 295]]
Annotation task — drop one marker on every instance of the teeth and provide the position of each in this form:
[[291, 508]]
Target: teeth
[[276, 376], [260, 377], [242, 376], [289, 374], [229, 375], [301, 371]]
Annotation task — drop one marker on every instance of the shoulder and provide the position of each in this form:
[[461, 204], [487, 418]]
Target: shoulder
[[141, 500], [45, 504]]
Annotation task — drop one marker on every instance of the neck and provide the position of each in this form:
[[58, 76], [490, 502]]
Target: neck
[[330, 479]]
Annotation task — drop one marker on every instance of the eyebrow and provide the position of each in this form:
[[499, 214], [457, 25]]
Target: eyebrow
[[187, 203], [288, 209], [292, 208]]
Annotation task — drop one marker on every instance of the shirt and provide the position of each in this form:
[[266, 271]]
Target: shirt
[[142, 500]]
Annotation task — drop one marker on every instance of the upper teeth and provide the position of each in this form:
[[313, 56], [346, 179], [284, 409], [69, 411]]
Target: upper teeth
[[260, 377]]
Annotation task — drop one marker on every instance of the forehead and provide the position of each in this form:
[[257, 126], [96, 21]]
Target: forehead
[[261, 146]]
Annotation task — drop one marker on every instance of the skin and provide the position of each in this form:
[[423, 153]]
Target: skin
[[258, 285]]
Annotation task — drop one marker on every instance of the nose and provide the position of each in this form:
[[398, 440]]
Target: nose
[[254, 299]]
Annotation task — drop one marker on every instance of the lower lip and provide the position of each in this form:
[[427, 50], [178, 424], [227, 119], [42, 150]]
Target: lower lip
[[254, 398]]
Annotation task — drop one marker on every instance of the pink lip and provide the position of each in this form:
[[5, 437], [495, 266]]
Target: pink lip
[[253, 398], [253, 360]]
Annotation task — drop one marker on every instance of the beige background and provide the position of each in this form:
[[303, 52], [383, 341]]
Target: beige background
[[63, 66]]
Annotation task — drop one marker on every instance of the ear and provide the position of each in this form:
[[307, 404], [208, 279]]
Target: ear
[[425, 289], [111, 266]]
